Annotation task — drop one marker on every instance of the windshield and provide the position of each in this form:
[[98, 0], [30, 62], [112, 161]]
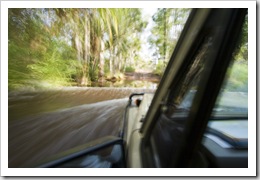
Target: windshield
[[206, 97], [232, 100], [229, 115], [233, 97]]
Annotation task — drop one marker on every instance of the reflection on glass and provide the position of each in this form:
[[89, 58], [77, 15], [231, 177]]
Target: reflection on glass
[[168, 132], [104, 158], [185, 92]]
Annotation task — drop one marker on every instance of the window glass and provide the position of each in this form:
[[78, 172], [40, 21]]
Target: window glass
[[168, 130], [107, 157], [184, 93], [233, 97], [228, 123]]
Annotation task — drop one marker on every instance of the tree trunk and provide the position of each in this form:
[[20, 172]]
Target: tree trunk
[[85, 62], [111, 62], [120, 62], [86, 40], [78, 47], [101, 62]]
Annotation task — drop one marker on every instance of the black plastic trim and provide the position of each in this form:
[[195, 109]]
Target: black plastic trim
[[80, 151]]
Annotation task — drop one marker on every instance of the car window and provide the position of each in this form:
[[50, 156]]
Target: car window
[[183, 95], [168, 133], [228, 123], [233, 97]]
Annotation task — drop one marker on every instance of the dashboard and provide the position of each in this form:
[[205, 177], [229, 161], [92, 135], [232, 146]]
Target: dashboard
[[225, 144]]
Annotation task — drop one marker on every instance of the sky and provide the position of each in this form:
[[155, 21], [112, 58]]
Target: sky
[[146, 53]]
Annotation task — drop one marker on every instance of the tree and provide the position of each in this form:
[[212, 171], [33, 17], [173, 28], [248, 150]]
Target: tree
[[126, 43], [241, 53], [78, 23], [25, 44], [168, 25], [61, 45]]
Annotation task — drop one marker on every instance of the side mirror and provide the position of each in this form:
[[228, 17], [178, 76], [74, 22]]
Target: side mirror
[[106, 152]]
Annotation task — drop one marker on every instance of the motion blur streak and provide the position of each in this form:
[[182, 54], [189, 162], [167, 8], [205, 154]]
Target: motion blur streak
[[54, 121]]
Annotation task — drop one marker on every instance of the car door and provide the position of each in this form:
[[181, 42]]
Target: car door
[[176, 121]]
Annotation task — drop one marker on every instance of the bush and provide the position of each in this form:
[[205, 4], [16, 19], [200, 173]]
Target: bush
[[129, 69], [53, 69], [119, 76], [238, 77], [159, 69]]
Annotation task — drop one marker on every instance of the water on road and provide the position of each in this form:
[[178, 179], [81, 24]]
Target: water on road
[[41, 124]]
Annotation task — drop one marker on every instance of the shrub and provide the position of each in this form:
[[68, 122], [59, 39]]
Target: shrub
[[53, 70], [129, 69], [119, 76], [159, 69], [238, 77]]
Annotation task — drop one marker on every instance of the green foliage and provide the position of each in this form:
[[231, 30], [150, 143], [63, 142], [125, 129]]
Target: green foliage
[[238, 73], [106, 66], [241, 52], [36, 56], [96, 32], [59, 46], [238, 77], [129, 69], [119, 76], [18, 74], [160, 67], [53, 69], [168, 25], [27, 43], [123, 31], [93, 71]]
